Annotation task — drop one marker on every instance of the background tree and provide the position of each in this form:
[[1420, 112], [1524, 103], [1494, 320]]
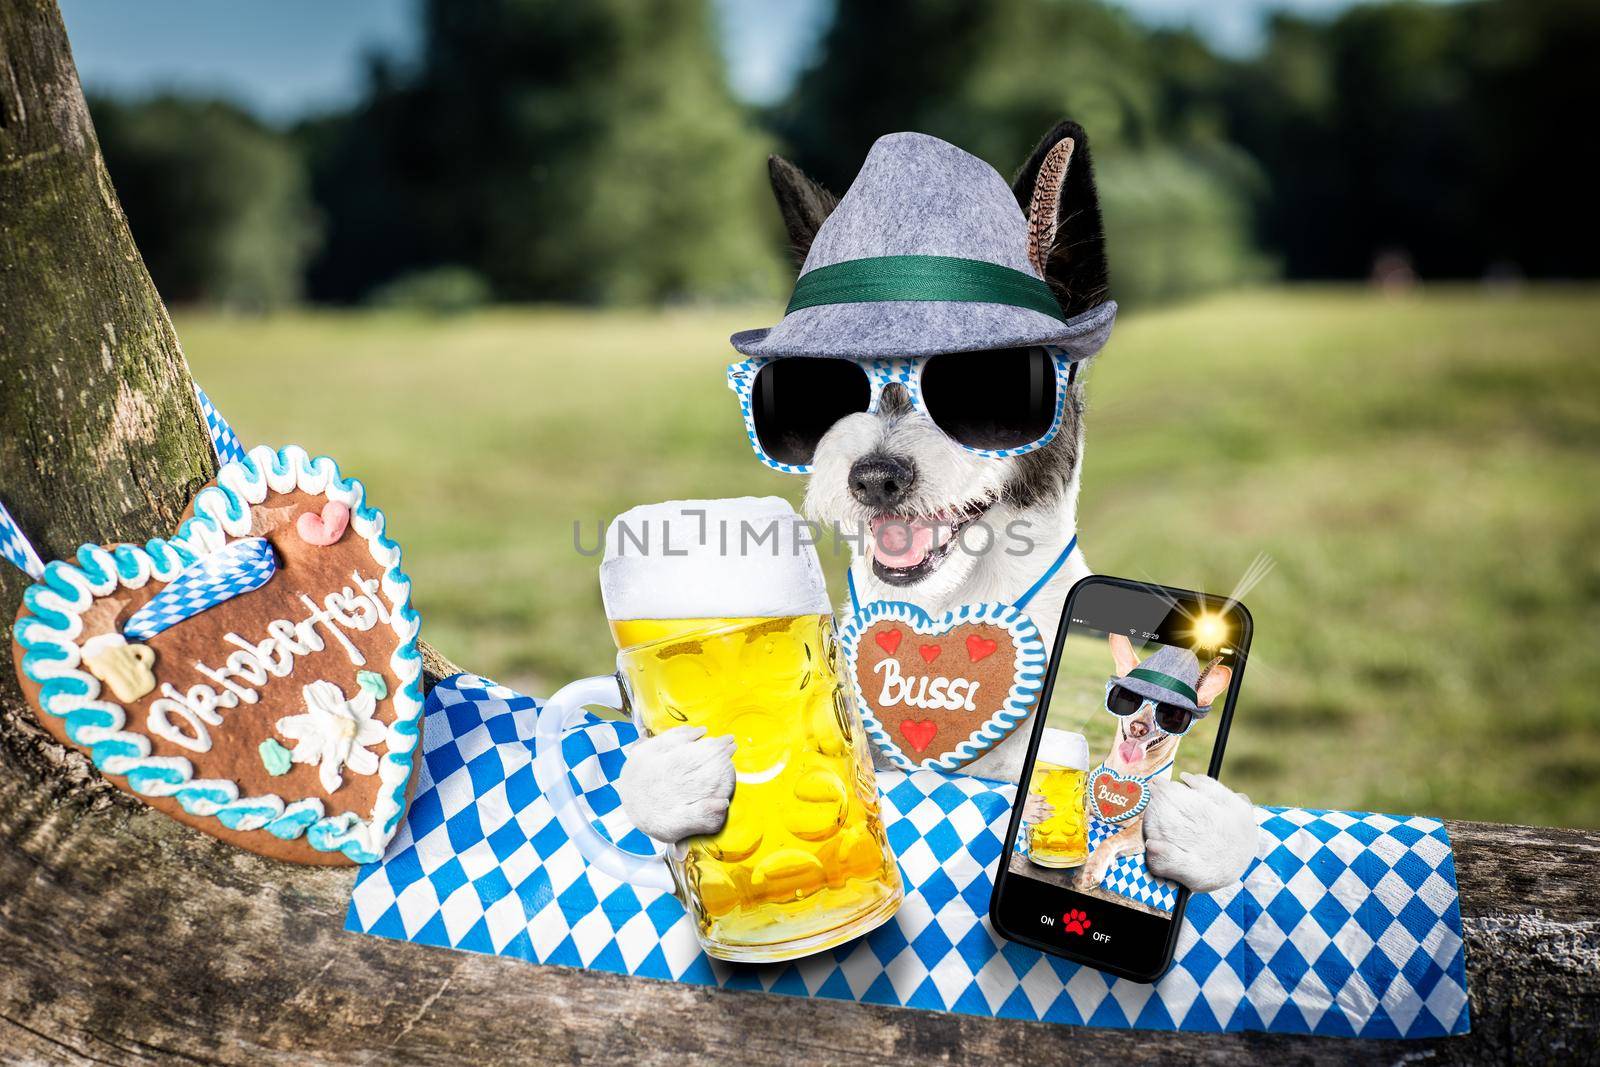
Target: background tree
[[585, 152], [992, 77], [593, 153], [1441, 130], [220, 204]]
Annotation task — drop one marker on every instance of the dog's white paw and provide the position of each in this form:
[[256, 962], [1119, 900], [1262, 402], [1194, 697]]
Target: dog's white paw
[[1199, 833], [677, 784]]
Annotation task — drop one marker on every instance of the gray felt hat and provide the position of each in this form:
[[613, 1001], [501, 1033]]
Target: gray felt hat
[[1170, 675], [926, 253]]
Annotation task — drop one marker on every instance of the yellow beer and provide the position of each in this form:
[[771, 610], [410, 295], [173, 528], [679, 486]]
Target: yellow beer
[[1060, 777], [802, 862]]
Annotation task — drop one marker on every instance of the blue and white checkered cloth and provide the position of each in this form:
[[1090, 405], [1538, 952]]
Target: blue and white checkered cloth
[[1346, 924], [210, 580], [1128, 875]]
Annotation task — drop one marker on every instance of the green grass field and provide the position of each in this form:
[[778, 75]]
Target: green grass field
[[1423, 469]]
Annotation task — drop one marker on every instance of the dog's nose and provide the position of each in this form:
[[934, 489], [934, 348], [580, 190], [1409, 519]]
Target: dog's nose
[[882, 481], [1138, 728]]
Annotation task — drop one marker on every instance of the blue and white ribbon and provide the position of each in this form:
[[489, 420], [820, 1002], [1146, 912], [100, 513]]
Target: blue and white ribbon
[[223, 439], [15, 546], [205, 583]]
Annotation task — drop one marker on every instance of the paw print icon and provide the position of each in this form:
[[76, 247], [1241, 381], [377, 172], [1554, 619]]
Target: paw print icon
[[1075, 922]]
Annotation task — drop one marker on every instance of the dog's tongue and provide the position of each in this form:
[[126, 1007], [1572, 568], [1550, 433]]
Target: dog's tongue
[[1130, 751], [901, 543]]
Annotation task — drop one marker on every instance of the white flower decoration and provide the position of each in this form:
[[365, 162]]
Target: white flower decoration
[[334, 732]]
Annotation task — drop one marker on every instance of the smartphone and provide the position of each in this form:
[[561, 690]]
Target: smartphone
[[1141, 686]]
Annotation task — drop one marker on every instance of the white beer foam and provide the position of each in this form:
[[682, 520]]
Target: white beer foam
[[700, 559], [1064, 749]]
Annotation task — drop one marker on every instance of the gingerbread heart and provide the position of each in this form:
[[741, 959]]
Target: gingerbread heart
[[1116, 798], [258, 684], [954, 690]]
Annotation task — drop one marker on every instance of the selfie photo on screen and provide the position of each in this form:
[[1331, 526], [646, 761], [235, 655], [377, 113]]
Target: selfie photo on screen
[[1123, 716]]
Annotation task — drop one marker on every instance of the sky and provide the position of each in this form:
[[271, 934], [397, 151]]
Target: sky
[[287, 58]]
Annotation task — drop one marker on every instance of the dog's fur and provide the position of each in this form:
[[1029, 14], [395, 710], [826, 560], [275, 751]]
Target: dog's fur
[[895, 462]]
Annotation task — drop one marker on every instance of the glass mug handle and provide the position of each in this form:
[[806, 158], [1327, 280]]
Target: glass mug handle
[[550, 771]]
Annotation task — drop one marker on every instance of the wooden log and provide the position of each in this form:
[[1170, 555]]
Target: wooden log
[[127, 938]]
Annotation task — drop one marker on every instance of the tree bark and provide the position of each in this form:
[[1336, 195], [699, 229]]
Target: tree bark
[[103, 440], [127, 937]]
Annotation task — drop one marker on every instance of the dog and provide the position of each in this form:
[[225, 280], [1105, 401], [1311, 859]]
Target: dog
[[1142, 750], [919, 505]]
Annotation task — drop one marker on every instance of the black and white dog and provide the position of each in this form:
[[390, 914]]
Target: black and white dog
[[944, 526]]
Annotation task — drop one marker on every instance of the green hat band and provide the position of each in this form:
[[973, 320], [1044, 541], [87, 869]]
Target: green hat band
[[1166, 681], [923, 278]]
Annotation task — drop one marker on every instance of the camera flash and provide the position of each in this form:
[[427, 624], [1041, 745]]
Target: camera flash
[[1210, 631]]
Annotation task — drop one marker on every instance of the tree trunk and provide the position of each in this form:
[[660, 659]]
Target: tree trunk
[[103, 440], [126, 937]]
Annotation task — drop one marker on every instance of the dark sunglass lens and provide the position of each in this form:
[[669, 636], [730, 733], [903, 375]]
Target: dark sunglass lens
[[1122, 701], [796, 401], [992, 400], [1173, 719]]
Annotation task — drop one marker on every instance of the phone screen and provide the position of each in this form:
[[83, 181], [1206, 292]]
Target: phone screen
[[1141, 687]]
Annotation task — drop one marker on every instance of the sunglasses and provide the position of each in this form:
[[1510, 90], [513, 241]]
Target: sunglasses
[[999, 403], [1171, 718]]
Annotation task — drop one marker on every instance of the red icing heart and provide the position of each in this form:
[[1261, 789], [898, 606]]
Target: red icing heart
[[980, 647], [1114, 799], [888, 640], [919, 732], [929, 653], [325, 529]]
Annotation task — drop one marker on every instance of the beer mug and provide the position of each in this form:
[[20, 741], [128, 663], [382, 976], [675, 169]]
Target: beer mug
[[1060, 777], [124, 667], [738, 638]]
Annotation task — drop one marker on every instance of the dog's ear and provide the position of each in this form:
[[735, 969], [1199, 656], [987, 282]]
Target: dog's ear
[[1122, 654], [1065, 240], [1213, 685], [803, 203]]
